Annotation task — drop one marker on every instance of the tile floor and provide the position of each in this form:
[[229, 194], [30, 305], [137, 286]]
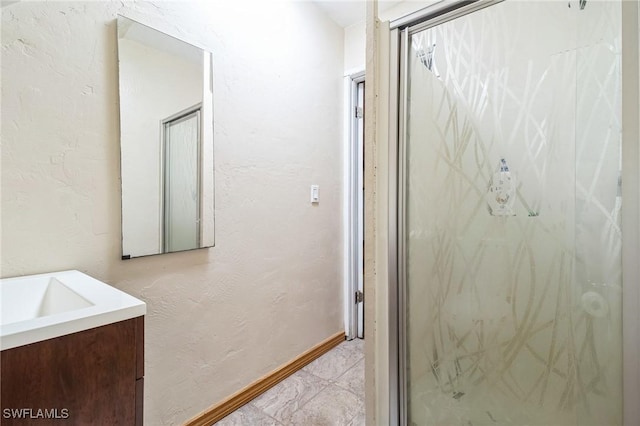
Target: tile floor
[[327, 392]]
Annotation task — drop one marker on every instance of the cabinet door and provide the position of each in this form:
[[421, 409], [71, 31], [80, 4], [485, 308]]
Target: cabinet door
[[82, 378]]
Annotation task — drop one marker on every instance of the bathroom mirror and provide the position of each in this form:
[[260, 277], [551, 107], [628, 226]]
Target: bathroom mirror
[[166, 142]]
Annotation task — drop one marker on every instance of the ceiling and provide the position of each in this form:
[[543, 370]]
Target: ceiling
[[348, 12], [343, 12]]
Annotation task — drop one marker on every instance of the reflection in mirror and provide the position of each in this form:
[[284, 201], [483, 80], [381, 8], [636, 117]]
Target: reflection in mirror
[[166, 142]]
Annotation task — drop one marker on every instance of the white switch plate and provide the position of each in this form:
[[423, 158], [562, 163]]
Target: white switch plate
[[315, 196]]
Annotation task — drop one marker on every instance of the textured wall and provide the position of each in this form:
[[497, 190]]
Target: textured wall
[[355, 38], [270, 289]]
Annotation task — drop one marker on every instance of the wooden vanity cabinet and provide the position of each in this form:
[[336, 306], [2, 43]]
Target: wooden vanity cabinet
[[93, 377]]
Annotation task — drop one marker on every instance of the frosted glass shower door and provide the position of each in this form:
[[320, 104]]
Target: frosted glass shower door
[[511, 241]]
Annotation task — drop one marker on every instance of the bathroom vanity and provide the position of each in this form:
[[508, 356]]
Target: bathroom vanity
[[70, 361]]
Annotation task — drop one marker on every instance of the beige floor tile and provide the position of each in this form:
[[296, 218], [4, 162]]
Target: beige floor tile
[[336, 362], [327, 392], [248, 415], [353, 379], [359, 419], [333, 406], [282, 400]]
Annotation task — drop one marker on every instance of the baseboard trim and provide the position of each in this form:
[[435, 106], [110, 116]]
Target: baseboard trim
[[230, 404]]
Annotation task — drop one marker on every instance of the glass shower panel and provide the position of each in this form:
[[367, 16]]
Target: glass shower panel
[[598, 244], [511, 230], [181, 186]]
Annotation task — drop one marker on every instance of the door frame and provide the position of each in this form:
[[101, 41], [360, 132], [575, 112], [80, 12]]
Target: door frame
[[164, 123], [630, 212], [353, 219]]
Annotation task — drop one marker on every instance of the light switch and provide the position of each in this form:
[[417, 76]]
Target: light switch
[[315, 196]]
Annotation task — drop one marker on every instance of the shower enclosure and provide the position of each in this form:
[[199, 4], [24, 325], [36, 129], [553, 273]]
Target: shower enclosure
[[508, 222]]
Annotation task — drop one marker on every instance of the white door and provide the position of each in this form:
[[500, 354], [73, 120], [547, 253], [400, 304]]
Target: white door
[[354, 199], [181, 184], [360, 202]]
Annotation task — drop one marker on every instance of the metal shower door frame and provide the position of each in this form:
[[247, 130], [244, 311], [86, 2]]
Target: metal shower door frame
[[441, 12]]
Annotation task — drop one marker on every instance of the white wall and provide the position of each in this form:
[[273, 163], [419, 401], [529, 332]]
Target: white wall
[[354, 48], [271, 288], [354, 35]]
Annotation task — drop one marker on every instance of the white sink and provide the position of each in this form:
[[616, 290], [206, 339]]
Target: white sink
[[40, 307]]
